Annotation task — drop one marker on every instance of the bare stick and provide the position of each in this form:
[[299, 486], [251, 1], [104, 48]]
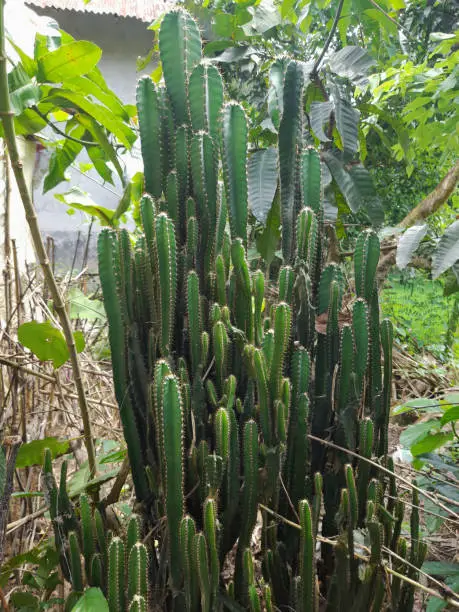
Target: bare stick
[[6, 115]]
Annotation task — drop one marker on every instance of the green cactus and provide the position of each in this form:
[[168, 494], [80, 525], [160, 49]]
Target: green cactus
[[307, 569], [180, 51], [76, 575], [187, 539], [202, 565], [311, 177], [149, 112], [137, 571], [234, 156], [173, 455], [289, 145], [116, 598], [207, 350]]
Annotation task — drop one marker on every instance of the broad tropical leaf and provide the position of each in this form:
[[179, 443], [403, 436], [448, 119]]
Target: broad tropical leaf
[[351, 62], [67, 61], [262, 181], [447, 252], [408, 244], [347, 123], [319, 116]]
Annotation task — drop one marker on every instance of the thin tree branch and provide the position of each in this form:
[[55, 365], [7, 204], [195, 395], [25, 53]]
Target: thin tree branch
[[329, 39], [31, 216], [55, 128]]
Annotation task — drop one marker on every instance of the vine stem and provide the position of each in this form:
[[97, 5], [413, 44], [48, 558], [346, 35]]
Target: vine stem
[[329, 39], [7, 118]]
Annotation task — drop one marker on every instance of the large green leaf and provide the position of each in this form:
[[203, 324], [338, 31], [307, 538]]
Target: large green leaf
[[356, 185], [276, 90], [67, 61], [447, 252], [347, 123], [31, 453], [351, 62], [103, 115], [61, 159], [266, 16], [88, 87], [47, 342], [92, 600], [81, 307], [24, 93], [75, 198], [408, 243], [262, 181], [320, 115], [450, 415], [431, 442], [414, 433]]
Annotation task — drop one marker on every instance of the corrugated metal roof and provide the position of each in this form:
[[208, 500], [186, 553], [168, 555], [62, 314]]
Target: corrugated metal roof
[[146, 10]]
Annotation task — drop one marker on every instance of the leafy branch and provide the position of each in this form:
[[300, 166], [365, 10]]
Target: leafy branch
[[6, 115]]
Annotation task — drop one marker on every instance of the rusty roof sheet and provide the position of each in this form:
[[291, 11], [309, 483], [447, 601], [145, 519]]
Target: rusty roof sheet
[[146, 10]]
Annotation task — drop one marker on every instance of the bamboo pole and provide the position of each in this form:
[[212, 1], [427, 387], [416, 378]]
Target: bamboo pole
[[6, 116]]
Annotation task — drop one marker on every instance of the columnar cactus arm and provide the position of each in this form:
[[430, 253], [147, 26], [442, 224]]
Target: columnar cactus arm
[[180, 51], [149, 113], [234, 160], [116, 596], [205, 98], [308, 597], [167, 273], [289, 144], [311, 179], [173, 455]]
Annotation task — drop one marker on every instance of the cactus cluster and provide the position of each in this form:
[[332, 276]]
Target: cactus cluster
[[244, 398], [91, 555]]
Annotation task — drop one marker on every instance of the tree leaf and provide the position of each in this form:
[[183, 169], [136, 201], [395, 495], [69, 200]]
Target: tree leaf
[[92, 600], [47, 342], [262, 181], [81, 307], [408, 243], [75, 198], [234, 54], [347, 123], [414, 433], [431, 442], [357, 187], [31, 453], [67, 61], [447, 252], [320, 115], [61, 159], [24, 93], [103, 115], [276, 90], [450, 415], [423, 404], [124, 202], [351, 62]]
